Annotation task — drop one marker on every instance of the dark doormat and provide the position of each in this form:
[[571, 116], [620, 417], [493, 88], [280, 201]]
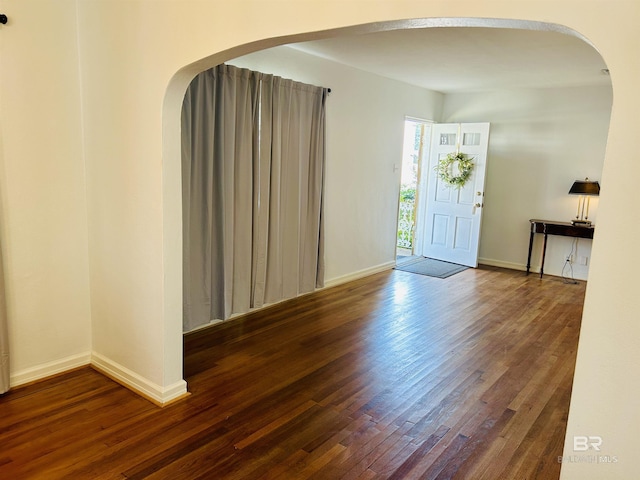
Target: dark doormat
[[431, 267]]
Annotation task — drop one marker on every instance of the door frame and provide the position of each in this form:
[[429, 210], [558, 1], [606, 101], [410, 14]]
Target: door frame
[[423, 153]]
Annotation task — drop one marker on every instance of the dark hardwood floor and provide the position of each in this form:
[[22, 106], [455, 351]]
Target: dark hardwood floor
[[393, 376]]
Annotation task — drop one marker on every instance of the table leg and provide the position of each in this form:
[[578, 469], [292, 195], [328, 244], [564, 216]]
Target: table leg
[[530, 248], [544, 252]]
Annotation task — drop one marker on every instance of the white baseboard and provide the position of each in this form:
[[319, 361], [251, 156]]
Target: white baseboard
[[510, 265], [153, 392], [359, 274], [131, 380], [523, 268], [50, 368], [327, 284]]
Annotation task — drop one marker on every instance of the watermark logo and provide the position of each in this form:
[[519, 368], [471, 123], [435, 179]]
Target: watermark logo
[[590, 448], [583, 443]]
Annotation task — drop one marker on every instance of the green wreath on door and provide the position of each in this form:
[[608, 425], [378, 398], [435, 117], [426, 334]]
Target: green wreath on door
[[445, 169]]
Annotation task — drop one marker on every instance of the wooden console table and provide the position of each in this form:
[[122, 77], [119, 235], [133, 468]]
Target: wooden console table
[[550, 227]]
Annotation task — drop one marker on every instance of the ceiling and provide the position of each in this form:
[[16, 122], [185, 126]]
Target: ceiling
[[469, 59]]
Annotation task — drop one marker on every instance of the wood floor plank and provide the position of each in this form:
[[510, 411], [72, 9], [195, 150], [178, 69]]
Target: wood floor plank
[[396, 375]]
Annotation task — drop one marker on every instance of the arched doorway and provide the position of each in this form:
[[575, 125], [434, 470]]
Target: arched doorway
[[173, 101]]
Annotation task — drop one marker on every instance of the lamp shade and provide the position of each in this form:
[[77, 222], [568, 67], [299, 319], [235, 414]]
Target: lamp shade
[[585, 187]]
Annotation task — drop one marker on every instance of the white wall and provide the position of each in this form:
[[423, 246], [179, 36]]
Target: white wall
[[365, 125], [43, 218], [123, 155], [136, 59], [541, 141]]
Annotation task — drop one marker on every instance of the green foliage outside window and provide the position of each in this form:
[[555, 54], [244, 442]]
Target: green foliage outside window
[[406, 220], [407, 193]]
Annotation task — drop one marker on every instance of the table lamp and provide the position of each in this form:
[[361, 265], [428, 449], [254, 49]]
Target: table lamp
[[586, 189]]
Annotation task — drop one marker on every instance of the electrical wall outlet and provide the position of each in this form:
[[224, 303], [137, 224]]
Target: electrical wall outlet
[[583, 260]]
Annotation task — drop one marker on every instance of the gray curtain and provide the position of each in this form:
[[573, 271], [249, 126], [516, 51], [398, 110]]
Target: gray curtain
[[4, 335], [253, 173], [293, 124]]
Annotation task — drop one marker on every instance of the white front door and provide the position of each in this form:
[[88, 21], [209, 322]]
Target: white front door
[[452, 217]]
